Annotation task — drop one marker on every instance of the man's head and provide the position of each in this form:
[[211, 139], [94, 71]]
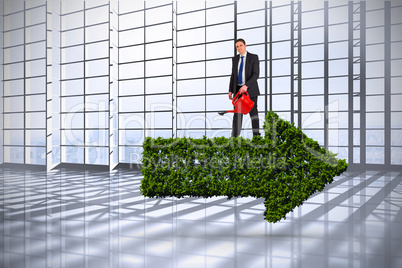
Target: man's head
[[241, 46]]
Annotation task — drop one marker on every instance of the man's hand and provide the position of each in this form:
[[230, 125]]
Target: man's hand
[[243, 89], [230, 96]]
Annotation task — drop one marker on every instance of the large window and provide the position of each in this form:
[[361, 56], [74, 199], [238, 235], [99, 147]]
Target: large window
[[205, 34], [24, 82], [84, 82], [145, 74], [84, 90], [337, 83]]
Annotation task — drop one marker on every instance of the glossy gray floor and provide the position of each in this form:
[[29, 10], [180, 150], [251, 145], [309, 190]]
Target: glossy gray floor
[[78, 219]]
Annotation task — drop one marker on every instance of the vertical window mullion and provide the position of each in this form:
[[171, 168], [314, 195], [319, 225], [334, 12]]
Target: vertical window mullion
[[362, 83], [60, 84], [350, 82], [235, 27], [2, 95], [326, 73], [270, 56], [265, 59], [205, 68], [387, 83], [85, 87], [145, 71], [110, 131], [24, 72], [299, 66], [292, 62], [174, 86], [48, 148], [174, 60]]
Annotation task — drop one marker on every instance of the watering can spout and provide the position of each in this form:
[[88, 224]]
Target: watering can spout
[[242, 103]]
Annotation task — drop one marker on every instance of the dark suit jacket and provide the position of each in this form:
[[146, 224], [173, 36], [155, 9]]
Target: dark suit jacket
[[252, 72]]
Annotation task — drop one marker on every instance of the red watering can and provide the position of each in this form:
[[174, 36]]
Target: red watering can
[[242, 103]]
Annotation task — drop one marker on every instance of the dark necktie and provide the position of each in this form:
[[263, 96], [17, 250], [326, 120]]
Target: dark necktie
[[240, 78]]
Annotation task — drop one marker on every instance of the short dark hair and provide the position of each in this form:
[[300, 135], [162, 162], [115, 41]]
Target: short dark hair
[[240, 40]]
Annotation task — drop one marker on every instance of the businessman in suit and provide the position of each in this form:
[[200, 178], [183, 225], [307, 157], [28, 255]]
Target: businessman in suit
[[245, 72]]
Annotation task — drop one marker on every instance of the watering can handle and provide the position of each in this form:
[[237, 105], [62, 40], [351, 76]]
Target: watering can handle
[[236, 99]]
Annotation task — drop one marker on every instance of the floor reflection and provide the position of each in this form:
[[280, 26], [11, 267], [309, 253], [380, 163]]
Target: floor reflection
[[68, 218]]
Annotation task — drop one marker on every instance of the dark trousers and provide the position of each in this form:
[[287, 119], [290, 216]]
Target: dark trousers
[[238, 119]]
